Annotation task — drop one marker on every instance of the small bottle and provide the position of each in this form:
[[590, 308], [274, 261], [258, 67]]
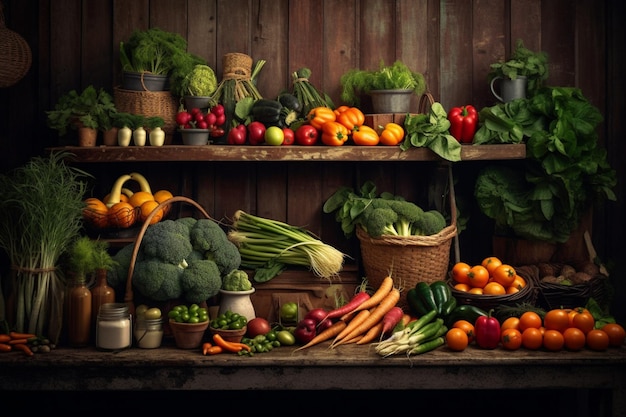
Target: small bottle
[[114, 327], [148, 333]]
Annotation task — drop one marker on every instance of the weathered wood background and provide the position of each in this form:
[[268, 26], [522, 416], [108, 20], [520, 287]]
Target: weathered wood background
[[75, 43]]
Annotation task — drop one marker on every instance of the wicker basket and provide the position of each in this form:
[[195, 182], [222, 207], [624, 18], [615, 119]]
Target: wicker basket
[[16, 55], [551, 295], [528, 294], [149, 104], [129, 295], [410, 259]]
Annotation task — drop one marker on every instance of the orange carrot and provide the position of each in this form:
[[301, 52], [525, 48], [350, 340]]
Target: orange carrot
[[376, 315], [383, 289], [326, 334], [230, 346], [4, 338], [214, 350], [352, 324], [24, 348], [5, 348], [371, 334], [205, 347], [18, 335], [18, 341]]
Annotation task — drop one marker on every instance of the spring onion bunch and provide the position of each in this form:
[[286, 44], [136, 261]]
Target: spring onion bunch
[[420, 336], [267, 245], [41, 206]]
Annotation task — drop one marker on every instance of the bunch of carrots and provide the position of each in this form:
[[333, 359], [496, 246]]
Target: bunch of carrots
[[364, 319], [15, 341]]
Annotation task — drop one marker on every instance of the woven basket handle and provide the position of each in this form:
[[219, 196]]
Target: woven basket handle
[[426, 100], [128, 296]]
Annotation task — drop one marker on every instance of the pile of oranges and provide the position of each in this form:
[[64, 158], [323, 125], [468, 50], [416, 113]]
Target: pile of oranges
[[570, 329], [490, 277]]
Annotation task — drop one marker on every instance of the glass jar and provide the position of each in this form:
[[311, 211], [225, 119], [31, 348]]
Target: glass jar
[[114, 327], [148, 333]]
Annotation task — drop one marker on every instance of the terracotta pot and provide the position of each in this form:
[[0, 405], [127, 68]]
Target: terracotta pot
[[188, 335], [87, 136], [109, 137]]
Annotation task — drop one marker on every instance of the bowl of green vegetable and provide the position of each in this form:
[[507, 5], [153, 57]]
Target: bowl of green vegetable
[[188, 335]]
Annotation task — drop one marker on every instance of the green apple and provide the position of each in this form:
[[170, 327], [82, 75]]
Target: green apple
[[274, 136]]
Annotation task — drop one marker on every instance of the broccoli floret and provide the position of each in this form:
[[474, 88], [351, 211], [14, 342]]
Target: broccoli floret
[[430, 223], [236, 280], [379, 221], [118, 275], [187, 221], [168, 241], [407, 213], [158, 280], [208, 237], [200, 281]]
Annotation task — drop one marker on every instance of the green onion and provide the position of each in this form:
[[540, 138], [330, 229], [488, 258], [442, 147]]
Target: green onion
[[41, 215], [263, 242]]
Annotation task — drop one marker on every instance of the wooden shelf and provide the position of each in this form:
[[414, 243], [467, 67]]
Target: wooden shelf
[[183, 153]]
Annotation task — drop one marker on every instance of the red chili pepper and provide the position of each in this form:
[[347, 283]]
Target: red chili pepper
[[463, 123], [487, 331]]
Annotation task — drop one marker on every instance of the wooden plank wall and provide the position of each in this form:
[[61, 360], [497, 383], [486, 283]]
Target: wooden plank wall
[[75, 43]]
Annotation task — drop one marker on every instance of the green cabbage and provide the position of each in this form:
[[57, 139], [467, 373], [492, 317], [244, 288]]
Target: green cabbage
[[202, 81]]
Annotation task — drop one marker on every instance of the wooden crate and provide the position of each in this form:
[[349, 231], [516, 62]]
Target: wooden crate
[[304, 288]]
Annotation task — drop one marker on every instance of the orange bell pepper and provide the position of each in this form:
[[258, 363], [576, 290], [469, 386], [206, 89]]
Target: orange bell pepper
[[334, 133], [351, 118], [320, 115], [392, 134], [341, 109], [365, 136]]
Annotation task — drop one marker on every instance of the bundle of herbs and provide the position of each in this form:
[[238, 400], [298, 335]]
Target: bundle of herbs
[[307, 93], [544, 196], [42, 214]]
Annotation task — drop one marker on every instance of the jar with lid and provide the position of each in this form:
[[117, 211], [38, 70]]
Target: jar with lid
[[114, 327], [148, 332]]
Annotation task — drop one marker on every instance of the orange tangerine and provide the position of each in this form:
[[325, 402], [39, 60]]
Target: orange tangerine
[[140, 197], [147, 208], [494, 288]]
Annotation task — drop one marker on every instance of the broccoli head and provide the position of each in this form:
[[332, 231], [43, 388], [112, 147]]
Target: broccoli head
[[431, 222], [209, 238], [168, 241], [118, 275], [379, 221], [200, 281], [236, 280], [158, 280]]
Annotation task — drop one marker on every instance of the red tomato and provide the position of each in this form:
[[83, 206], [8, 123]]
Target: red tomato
[[290, 136], [306, 135]]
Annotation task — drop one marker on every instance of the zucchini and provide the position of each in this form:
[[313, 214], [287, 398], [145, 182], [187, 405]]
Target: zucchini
[[290, 102], [267, 112], [465, 312], [441, 293]]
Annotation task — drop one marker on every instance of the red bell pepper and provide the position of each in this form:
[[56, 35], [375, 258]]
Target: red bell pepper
[[487, 331], [463, 123]]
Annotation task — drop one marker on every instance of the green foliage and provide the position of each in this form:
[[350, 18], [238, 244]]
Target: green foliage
[[524, 62], [431, 130], [564, 174], [93, 108], [395, 76], [381, 214]]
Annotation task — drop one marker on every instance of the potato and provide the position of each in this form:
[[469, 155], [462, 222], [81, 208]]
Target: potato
[[546, 269], [580, 278], [567, 271], [551, 279]]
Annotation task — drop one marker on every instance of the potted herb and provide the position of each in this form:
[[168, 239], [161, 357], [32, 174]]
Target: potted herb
[[198, 86], [545, 196], [524, 72], [396, 80], [156, 134], [88, 111], [152, 58]]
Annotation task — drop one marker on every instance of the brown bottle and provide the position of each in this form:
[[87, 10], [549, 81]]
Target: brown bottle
[[79, 314], [101, 293]]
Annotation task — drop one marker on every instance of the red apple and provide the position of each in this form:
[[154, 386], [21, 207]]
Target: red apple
[[306, 135]]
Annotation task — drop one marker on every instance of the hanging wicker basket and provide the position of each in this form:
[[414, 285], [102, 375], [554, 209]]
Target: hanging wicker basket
[[15, 55]]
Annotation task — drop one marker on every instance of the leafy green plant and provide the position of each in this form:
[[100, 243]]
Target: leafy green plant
[[392, 77], [544, 196], [86, 255], [93, 108], [159, 52], [201, 81], [523, 62]]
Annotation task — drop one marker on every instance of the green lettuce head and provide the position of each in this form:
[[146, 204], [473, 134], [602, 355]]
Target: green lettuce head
[[202, 81]]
